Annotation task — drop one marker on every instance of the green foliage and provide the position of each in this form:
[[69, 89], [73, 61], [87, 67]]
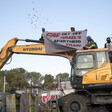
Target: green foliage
[[49, 81], [35, 78], [15, 79], [1, 80], [19, 78], [62, 77]]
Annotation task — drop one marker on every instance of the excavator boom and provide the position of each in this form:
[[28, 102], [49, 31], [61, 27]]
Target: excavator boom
[[37, 49]]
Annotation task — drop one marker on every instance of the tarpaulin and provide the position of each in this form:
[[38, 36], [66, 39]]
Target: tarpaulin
[[64, 41]]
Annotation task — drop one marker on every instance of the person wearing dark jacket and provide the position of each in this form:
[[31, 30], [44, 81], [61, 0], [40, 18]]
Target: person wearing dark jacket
[[108, 44], [90, 44]]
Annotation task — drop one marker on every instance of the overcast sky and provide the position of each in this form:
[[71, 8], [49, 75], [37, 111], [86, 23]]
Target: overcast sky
[[25, 18]]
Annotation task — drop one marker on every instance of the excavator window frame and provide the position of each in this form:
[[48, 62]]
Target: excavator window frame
[[86, 61], [78, 71], [105, 62]]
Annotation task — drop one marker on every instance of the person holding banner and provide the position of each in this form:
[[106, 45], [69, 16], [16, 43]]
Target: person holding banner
[[90, 44], [72, 29]]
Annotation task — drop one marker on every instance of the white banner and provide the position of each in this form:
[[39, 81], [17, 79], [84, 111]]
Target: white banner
[[65, 41]]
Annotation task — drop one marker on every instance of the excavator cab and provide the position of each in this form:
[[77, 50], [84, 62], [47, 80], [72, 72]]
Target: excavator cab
[[92, 68]]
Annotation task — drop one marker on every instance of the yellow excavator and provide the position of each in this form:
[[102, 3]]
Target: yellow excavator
[[91, 75]]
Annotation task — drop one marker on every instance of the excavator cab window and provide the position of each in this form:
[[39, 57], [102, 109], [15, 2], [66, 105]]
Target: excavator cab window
[[85, 63], [101, 59]]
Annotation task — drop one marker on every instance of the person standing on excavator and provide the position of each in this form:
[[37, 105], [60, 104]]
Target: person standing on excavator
[[42, 36], [108, 44], [90, 44], [72, 29]]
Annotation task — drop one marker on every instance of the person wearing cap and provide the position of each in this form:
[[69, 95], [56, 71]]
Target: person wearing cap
[[108, 44], [90, 44], [42, 36]]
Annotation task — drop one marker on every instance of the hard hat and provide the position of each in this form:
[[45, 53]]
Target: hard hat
[[108, 37], [43, 28], [89, 37]]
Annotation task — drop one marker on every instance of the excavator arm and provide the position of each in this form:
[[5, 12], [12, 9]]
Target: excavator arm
[[37, 49]]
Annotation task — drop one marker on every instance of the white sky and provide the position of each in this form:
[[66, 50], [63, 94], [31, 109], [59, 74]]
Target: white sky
[[25, 18]]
